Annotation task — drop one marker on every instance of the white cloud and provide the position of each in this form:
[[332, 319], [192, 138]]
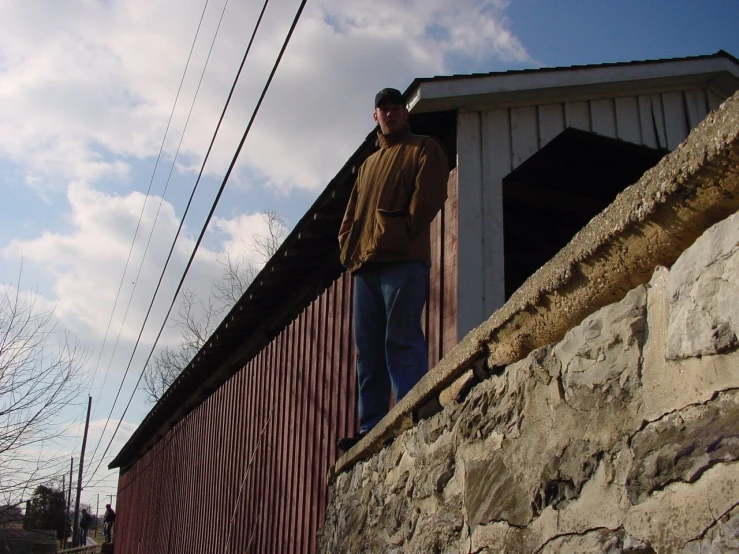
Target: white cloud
[[87, 261], [95, 432], [319, 108], [238, 236], [86, 87]]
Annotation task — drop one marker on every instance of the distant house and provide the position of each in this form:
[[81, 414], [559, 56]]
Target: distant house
[[234, 457]]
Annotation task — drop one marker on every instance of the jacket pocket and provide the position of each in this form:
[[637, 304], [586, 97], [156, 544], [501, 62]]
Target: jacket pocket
[[391, 231], [347, 246]]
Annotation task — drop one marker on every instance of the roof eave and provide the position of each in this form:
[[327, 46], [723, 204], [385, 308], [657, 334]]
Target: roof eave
[[520, 88]]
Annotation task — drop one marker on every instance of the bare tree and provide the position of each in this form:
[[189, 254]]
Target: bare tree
[[266, 245], [237, 274], [238, 271], [40, 371], [197, 318]]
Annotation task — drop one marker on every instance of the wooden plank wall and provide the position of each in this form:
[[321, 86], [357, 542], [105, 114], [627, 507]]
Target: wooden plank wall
[[246, 470], [440, 317], [493, 143]]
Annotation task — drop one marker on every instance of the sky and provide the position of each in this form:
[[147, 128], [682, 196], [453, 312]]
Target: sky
[[87, 93]]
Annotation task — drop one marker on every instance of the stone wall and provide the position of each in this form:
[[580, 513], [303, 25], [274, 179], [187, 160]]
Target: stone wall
[[621, 437]]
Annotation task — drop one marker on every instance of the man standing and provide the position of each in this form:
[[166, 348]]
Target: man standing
[[85, 521], [108, 521], [385, 243]]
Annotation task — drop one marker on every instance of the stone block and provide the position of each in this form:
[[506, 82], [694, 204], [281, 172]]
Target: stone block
[[492, 493], [703, 289], [683, 445], [601, 358]]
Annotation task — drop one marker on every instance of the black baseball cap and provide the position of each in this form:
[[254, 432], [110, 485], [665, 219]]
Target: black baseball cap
[[391, 95]]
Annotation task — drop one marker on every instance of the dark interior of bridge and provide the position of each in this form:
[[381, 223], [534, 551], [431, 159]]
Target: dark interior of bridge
[[556, 192]]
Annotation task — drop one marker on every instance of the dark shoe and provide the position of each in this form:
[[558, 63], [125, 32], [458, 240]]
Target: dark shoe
[[346, 443]]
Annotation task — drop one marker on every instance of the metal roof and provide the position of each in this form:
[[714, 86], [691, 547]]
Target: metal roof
[[719, 54], [536, 86]]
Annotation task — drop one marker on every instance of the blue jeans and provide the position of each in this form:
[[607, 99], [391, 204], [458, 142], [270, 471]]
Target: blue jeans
[[391, 349]]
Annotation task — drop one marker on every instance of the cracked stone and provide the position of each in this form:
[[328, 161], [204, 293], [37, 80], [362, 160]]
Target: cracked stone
[[683, 445], [434, 472], [492, 493], [722, 537], [601, 357], [438, 532], [602, 541], [565, 475]]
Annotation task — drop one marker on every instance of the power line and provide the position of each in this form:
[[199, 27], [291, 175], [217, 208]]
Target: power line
[[156, 217], [141, 215], [177, 234], [215, 202], [212, 210]]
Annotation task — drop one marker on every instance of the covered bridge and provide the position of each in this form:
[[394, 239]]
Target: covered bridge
[[234, 456]]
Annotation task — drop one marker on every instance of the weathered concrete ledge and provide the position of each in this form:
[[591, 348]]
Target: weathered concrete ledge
[[650, 224]]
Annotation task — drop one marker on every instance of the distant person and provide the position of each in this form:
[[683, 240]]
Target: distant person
[[108, 521], [85, 521], [385, 241]]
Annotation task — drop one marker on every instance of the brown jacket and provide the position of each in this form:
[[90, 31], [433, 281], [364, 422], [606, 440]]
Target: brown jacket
[[398, 192]]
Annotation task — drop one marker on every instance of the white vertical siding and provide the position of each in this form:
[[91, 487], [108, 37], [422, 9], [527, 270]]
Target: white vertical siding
[[496, 164], [471, 274], [551, 122], [493, 143], [676, 118], [714, 99], [524, 134], [603, 114], [577, 115], [646, 122], [696, 106], [658, 120], [627, 116]]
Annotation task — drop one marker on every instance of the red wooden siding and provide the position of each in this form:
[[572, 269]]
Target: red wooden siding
[[441, 308], [246, 470]]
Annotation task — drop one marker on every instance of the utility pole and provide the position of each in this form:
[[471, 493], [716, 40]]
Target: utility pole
[[76, 538], [64, 498], [69, 502], [97, 512]]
